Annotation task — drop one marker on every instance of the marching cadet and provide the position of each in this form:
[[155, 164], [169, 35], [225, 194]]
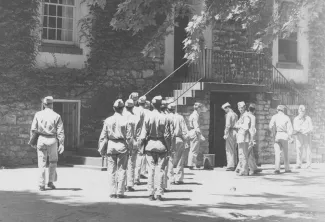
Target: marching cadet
[[243, 139], [179, 142], [49, 126], [117, 134], [148, 105], [131, 119], [303, 127], [141, 162], [164, 107], [156, 136], [252, 130], [230, 137], [282, 130], [195, 135]]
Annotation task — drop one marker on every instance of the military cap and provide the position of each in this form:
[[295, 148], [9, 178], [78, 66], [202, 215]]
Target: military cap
[[241, 104], [148, 103], [302, 108], [129, 103], [134, 96], [169, 101], [280, 107], [252, 105], [48, 100], [225, 105], [156, 99], [171, 106], [163, 104], [142, 99], [119, 103], [197, 104]]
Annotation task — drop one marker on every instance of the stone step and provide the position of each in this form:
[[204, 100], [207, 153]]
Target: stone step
[[85, 160], [197, 86], [88, 152]]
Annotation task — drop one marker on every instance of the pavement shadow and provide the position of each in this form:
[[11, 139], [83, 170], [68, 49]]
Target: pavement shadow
[[180, 191], [69, 189]]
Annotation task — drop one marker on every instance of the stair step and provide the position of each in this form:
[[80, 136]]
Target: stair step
[[89, 152], [197, 86], [84, 160]]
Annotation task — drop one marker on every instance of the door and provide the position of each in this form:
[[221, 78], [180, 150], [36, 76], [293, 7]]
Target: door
[[217, 144]]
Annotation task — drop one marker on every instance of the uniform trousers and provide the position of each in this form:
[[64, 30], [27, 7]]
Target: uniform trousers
[[231, 151], [47, 147], [141, 166], [156, 164], [281, 145], [251, 159], [179, 160], [169, 170], [243, 158], [116, 168], [131, 167], [303, 142], [194, 150]]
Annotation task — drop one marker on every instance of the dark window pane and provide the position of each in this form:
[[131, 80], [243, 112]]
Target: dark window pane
[[54, 1], [59, 24], [52, 34], [46, 9], [287, 50], [44, 33], [52, 22], [59, 12], [70, 2], [59, 34], [45, 21], [69, 12], [70, 24], [60, 1], [52, 10], [69, 36], [46, 0]]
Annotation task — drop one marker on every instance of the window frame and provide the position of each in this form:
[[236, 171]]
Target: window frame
[[74, 26], [289, 40]]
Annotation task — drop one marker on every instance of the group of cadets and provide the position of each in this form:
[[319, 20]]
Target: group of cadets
[[138, 137]]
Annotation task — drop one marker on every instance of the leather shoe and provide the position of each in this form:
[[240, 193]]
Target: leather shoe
[[112, 196], [130, 189], [51, 186], [277, 172], [42, 188], [120, 196], [159, 198], [151, 198]]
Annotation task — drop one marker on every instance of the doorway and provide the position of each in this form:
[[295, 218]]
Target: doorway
[[69, 110], [217, 144]]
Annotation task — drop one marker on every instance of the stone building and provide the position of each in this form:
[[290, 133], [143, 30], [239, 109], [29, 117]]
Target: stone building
[[112, 61]]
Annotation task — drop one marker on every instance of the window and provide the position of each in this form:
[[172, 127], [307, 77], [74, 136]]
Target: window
[[58, 21]]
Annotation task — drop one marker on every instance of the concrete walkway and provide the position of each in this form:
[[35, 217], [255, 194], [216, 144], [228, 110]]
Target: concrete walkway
[[207, 196]]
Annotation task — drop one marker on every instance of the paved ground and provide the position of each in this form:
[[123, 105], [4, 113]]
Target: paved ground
[[207, 196]]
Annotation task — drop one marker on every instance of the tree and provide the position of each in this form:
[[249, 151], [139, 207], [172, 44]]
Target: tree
[[136, 15]]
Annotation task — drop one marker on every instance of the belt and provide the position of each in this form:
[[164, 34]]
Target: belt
[[48, 136], [155, 138], [117, 140]]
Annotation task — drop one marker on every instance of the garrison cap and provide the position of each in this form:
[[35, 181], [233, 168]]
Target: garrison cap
[[241, 104], [48, 100], [171, 106], [252, 105], [280, 107], [197, 104], [119, 103], [129, 103], [225, 105], [163, 104], [134, 96], [170, 100], [156, 99], [142, 99]]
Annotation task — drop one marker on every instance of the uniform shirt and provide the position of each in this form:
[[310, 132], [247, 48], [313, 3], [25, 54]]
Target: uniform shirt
[[131, 119], [231, 119], [157, 129], [48, 123], [179, 126], [303, 124], [194, 122], [243, 126], [280, 124], [140, 114], [252, 129], [118, 132]]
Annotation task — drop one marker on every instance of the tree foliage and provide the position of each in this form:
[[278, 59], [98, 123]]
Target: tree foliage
[[136, 15]]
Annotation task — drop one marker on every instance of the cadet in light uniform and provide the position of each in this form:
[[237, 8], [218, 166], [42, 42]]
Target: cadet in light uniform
[[230, 137], [251, 156], [48, 124], [141, 163], [178, 145], [118, 134], [281, 127], [131, 119], [243, 139], [195, 135], [303, 126], [157, 133]]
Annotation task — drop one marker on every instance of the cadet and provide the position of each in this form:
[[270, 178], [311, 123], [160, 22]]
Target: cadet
[[180, 132], [131, 119], [195, 135], [251, 155], [157, 133], [141, 160], [49, 126], [117, 133], [303, 127], [230, 137], [243, 139], [281, 127]]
